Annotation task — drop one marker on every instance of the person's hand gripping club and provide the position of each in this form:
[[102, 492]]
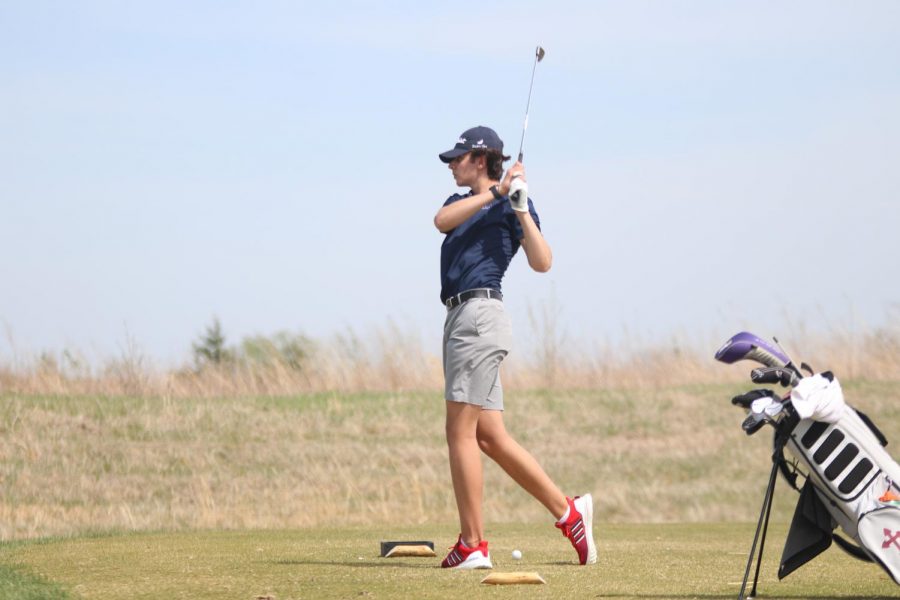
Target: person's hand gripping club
[[518, 187]]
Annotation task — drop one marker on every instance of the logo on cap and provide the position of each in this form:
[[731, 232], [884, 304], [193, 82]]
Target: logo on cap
[[487, 139]]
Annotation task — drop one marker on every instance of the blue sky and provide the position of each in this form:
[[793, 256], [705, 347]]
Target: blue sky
[[699, 166]]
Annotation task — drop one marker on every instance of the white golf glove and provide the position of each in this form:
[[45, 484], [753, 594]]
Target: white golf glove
[[518, 194]]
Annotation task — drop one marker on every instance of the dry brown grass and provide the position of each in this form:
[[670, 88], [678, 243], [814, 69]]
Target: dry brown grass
[[395, 360], [74, 464]]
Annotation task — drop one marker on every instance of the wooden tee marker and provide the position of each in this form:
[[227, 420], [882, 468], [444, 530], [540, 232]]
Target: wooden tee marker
[[396, 549], [513, 578]]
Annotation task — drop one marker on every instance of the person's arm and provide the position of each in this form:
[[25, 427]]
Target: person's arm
[[453, 215], [537, 250]]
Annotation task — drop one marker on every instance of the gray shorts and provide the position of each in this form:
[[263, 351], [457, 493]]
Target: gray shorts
[[477, 337]]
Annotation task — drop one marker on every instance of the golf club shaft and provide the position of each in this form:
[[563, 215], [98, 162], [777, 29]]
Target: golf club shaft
[[538, 55]]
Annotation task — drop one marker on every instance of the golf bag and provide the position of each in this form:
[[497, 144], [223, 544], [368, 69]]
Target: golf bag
[[851, 482]]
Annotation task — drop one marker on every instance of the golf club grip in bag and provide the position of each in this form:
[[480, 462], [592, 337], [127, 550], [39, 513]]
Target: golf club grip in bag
[[848, 474]]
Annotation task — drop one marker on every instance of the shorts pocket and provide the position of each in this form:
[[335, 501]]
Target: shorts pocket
[[491, 320]]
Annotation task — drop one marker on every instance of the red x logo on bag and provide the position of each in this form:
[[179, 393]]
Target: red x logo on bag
[[891, 538]]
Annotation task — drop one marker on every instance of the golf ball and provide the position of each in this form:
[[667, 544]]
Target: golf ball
[[517, 554]]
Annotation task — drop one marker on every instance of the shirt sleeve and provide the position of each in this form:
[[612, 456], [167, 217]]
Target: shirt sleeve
[[514, 220], [534, 215], [453, 198]]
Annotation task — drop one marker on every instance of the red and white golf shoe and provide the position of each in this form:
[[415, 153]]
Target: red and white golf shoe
[[463, 557], [578, 527]]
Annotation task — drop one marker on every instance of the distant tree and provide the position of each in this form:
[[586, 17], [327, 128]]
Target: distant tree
[[210, 349]]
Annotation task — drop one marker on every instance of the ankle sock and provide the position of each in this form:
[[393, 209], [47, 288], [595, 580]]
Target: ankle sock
[[565, 516]]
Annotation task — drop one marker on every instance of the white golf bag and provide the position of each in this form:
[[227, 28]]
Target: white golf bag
[[848, 473], [851, 482]]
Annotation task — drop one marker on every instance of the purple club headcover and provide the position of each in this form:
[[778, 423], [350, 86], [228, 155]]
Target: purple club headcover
[[746, 346]]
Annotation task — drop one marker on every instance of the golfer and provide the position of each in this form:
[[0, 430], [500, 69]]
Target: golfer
[[484, 228]]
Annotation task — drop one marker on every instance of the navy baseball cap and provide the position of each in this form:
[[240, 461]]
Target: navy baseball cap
[[477, 138]]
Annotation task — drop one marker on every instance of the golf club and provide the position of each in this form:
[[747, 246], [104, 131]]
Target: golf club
[[746, 346], [538, 57]]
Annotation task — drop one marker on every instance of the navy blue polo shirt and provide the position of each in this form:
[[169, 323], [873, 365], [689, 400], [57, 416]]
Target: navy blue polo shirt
[[477, 253]]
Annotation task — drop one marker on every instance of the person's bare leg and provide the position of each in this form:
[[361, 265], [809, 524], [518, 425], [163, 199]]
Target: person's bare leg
[[518, 463], [465, 468]]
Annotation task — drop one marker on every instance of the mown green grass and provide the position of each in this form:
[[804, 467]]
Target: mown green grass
[[636, 562], [23, 585]]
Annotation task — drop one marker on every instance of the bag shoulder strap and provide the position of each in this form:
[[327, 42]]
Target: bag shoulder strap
[[875, 431]]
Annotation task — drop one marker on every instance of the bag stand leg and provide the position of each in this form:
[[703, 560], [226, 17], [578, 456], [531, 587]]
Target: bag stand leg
[[762, 524]]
